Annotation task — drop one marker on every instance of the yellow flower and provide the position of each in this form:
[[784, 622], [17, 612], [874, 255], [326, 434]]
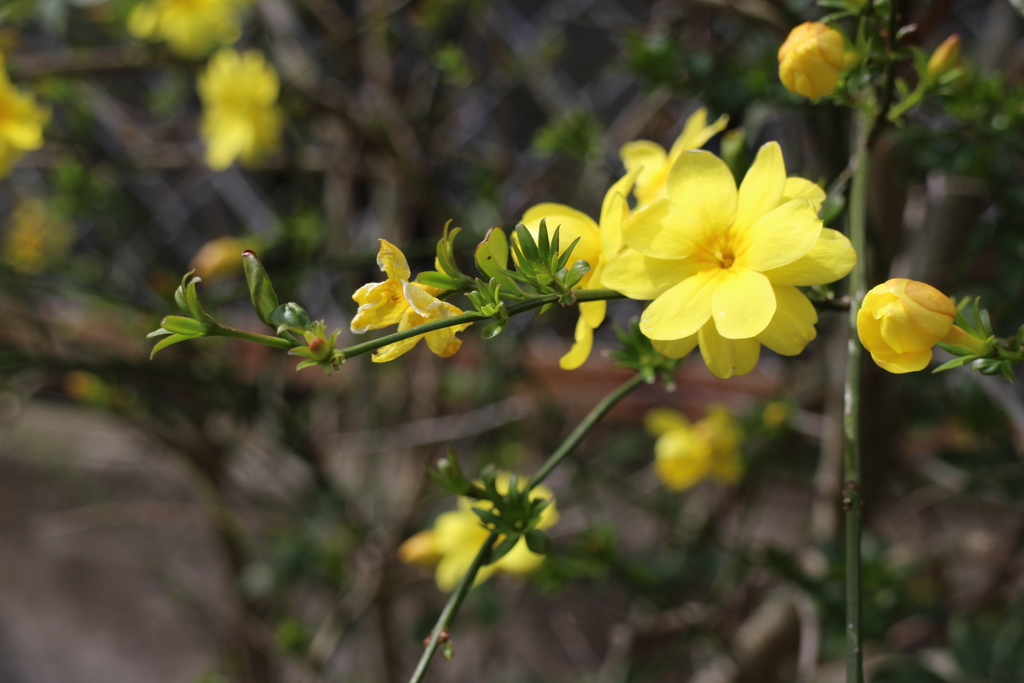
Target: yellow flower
[[900, 321], [240, 117], [598, 243], [723, 266], [221, 258], [457, 536], [945, 58], [21, 123], [396, 300], [810, 60], [35, 238], [656, 163], [191, 28], [685, 454]]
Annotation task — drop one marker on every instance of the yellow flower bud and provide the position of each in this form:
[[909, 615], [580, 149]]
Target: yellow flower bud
[[945, 58], [901, 320], [810, 60]]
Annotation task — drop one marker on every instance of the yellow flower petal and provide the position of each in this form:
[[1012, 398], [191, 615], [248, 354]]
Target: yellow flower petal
[[762, 186], [643, 277], [649, 160], [593, 312], [657, 421], [727, 358], [696, 132], [780, 237], [614, 212], [662, 230], [683, 309], [580, 351], [792, 326], [380, 304], [391, 260], [801, 188], [743, 303], [675, 348], [519, 560], [701, 185], [832, 257]]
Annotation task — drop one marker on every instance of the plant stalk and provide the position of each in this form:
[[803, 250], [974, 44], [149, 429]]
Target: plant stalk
[[851, 412], [451, 608]]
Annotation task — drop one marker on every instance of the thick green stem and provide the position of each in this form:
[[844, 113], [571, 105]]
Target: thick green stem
[[266, 340], [451, 608], [851, 411], [595, 415]]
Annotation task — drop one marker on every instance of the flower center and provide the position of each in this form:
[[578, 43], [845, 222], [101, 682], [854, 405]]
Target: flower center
[[725, 258]]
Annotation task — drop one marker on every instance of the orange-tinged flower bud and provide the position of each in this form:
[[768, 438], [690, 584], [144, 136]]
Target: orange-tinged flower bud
[[901, 320], [810, 60], [945, 58]]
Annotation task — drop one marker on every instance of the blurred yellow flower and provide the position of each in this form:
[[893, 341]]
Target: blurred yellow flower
[[241, 119], [191, 28], [776, 414], [221, 258], [21, 123], [686, 453], [396, 300], [655, 163], [35, 239], [900, 321], [598, 243], [457, 537], [810, 60], [723, 266]]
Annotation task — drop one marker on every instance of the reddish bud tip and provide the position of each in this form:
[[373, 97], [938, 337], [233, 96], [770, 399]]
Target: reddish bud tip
[[249, 252]]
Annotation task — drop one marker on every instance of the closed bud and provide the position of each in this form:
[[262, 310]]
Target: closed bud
[[811, 59], [319, 349], [901, 320], [220, 258], [945, 58]]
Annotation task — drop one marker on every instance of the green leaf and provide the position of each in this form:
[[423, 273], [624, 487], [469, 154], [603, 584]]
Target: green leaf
[[576, 273], [176, 324], [168, 341], [492, 330], [261, 291], [432, 278], [503, 548], [290, 315], [564, 258], [527, 246], [491, 255], [955, 363]]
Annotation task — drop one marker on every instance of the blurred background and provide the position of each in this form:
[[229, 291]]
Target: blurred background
[[212, 515]]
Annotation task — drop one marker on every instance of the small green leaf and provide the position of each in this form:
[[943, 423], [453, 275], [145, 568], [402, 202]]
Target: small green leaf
[[176, 324], [576, 273], [503, 548], [955, 363], [491, 330], [290, 315], [167, 341], [491, 255], [432, 278], [447, 650], [527, 247], [261, 291]]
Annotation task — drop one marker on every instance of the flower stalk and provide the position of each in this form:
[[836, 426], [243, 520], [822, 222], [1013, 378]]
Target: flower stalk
[[451, 608]]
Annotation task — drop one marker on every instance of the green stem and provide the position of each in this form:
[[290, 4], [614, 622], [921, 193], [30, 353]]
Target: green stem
[[472, 317], [851, 411], [595, 415], [267, 340], [451, 608]]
